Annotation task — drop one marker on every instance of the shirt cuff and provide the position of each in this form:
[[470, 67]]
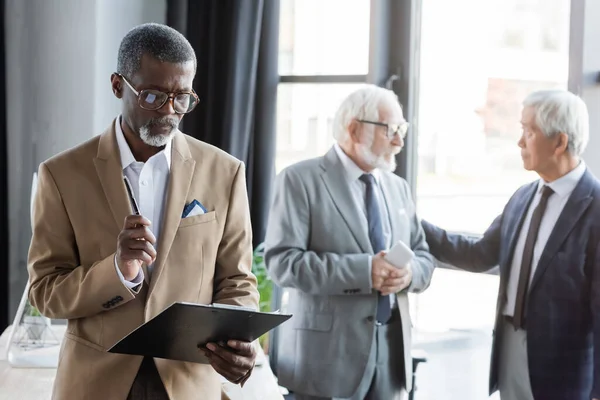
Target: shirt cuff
[[131, 285]]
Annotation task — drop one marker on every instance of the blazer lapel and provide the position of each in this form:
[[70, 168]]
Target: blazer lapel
[[110, 173], [180, 179], [576, 206], [393, 213], [515, 223], [336, 183]]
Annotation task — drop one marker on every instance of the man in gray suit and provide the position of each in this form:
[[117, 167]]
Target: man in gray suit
[[331, 220]]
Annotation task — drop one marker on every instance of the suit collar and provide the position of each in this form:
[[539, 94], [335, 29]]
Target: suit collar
[[110, 171], [353, 171], [565, 185], [335, 180], [110, 174], [576, 206]]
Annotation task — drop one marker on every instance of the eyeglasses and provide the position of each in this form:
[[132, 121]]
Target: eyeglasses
[[150, 99], [392, 129]]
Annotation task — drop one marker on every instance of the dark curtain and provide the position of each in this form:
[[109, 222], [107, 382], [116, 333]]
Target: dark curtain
[[236, 43], [3, 181]]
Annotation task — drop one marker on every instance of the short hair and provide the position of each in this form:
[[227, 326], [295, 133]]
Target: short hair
[[363, 103], [159, 41], [560, 111]]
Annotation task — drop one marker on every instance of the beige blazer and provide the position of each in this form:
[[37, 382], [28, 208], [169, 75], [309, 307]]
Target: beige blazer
[[80, 206]]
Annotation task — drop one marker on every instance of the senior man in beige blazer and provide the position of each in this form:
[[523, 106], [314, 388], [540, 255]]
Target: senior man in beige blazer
[[107, 271]]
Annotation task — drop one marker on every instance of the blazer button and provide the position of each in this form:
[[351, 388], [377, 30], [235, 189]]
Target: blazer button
[[370, 318]]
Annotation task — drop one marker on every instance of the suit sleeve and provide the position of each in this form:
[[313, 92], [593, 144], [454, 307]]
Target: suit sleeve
[[288, 259], [60, 287], [423, 263], [464, 252], [234, 282]]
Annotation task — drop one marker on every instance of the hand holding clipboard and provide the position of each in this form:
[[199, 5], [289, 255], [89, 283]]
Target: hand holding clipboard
[[180, 331]]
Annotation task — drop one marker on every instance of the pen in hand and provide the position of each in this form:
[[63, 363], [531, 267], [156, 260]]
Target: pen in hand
[[135, 244], [136, 208]]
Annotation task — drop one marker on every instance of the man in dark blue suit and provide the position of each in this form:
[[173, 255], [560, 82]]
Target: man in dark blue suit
[[546, 243]]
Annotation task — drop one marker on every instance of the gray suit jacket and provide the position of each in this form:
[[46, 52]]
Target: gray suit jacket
[[317, 247]]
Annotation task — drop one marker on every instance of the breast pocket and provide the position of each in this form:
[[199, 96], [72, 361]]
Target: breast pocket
[[198, 219], [403, 223]]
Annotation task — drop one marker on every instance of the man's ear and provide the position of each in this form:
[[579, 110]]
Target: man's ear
[[116, 85], [354, 131], [563, 143]]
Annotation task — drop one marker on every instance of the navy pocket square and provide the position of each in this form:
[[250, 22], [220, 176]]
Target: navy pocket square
[[193, 208]]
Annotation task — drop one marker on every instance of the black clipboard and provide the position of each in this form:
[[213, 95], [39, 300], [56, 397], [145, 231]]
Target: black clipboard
[[178, 331]]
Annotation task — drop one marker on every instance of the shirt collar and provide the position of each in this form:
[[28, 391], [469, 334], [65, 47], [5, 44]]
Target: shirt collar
[[565, 185], [353, 171], [127, 157]]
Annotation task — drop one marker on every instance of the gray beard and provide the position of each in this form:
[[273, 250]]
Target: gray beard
[[155, 140], [158, 140]]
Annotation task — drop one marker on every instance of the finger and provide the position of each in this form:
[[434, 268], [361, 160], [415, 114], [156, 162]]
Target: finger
[[140, 232], [131, 221], [382, 274], [392, 283], [243, 348], [377, 283], [141, 245], [387, 290], [404, 283], [141, 255], [230, 373], [235, 366], [230, 356], [399, 273]]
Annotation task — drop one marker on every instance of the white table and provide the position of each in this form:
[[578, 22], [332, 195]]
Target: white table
[[36, 383]]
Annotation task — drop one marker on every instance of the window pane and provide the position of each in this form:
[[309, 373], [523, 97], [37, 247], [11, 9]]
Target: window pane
[[471, 89], [319, 37], [304, 118], [476, 68]]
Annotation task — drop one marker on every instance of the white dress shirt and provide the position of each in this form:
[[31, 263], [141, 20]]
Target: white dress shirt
[[563, 187], [149, 184], [359, 195]]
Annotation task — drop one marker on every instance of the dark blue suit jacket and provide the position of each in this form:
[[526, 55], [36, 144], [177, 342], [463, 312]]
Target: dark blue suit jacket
[[563, 307]]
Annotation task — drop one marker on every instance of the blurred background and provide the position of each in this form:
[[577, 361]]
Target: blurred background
[[271, 74]]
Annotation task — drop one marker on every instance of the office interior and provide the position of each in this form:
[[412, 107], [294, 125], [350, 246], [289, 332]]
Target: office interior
[[270, 76]]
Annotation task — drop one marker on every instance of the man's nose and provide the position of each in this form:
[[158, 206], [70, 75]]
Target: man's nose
[[168, 108], [397, 140]]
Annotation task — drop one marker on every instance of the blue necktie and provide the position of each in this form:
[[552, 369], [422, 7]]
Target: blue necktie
[[384, 311]]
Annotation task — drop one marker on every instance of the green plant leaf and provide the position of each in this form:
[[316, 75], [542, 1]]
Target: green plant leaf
[[264, 283]]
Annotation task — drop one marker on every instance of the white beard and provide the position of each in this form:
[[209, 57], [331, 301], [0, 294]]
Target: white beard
[[155, 140], [376, 161]]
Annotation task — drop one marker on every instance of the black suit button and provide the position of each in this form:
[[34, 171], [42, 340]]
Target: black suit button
[[370, 318], [119, 298], [106, 305]]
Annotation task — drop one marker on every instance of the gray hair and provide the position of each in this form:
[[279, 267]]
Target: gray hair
[[363, 103], [560, 111], [159, 41]]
